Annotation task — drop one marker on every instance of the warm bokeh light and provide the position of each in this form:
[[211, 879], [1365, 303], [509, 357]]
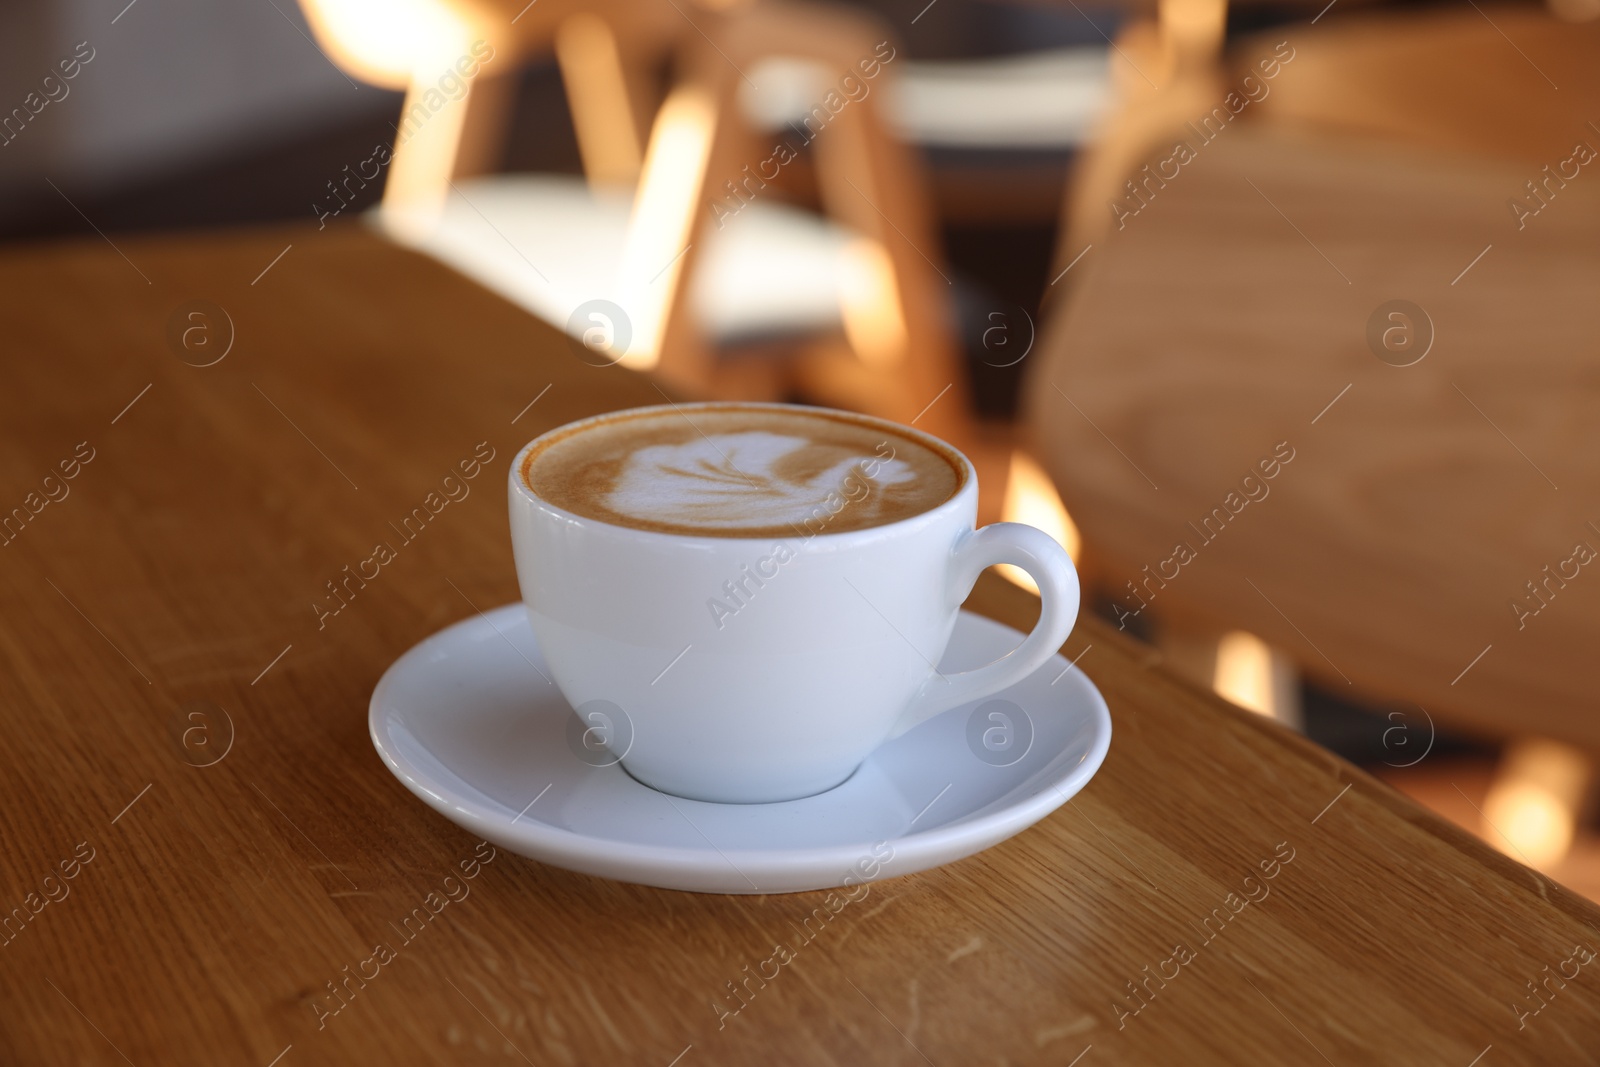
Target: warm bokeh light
[[1031, 498], [1532, 806], [869, 303], [1244, 672], [1535, 822], [664, 214], [1194, 27], [385, 42]]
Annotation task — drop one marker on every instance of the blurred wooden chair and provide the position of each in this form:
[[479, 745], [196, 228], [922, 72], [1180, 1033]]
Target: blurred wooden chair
[[674, 224], [454, 131], [1235, 312], [1165, 71]]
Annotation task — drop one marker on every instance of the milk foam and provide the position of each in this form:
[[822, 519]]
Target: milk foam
[[731, 479], [731, 470]]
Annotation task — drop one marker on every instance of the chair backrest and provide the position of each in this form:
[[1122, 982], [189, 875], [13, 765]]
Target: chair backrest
[[1507, 82], [456, 59], [1258, 309]]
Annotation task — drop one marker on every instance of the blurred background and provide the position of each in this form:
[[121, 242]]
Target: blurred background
[[1280, 316]]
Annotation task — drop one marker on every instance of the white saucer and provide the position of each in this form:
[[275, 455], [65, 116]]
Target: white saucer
[[468, 724]]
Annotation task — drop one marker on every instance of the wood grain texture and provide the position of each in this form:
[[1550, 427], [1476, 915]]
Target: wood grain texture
[[1512, 82], [218, 907], [1391, 552]]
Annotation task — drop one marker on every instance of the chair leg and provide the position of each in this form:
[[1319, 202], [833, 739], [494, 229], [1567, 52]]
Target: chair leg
[[1259, 677], [1237, 666], [1030, 497], [869, 183], [660, 254], [424, 158], [602, 108], [483, 127]]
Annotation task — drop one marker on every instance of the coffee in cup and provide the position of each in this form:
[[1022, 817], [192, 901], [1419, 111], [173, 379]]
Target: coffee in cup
[[740, 471], [762, 592]]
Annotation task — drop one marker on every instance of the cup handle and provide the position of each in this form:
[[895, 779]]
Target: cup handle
[[1048, 564]]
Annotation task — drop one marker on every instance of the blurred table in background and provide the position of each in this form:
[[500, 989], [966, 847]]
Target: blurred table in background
[[226, 895]]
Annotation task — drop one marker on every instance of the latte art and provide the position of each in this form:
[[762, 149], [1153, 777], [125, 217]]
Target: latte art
[[743, 479], [736, 471]]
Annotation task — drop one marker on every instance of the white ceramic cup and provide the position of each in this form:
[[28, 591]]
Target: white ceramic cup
[[832, 650]]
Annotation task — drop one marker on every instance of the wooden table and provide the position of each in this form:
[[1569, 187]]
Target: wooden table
[[222, 880]]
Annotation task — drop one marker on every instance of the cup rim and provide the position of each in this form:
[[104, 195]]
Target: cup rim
[[967, 487]]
